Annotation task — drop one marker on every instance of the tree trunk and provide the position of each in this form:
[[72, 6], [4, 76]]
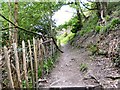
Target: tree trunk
[[0, 47], [81, 9], [16, 20], [10, 25], [0, 27], [78, 14], [50, 21], [101, 9], [104, 8], [98, 10]]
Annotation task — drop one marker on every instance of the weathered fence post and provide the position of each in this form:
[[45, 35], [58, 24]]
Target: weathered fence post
[[47, 48], [43, 48], [52, 47], [17, 64], [0, 69], [31, 64], [24, 64], [8, 68], [36, 64], [41, 57], [39, 53]]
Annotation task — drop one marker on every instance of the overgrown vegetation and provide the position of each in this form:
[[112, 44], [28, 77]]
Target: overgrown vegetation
[[102, 28], [65, 38], [49, 63], [35, 19], [89, 25], [111, 25]]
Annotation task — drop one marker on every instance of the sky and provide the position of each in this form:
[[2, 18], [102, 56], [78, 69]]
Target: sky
[[63, 15]]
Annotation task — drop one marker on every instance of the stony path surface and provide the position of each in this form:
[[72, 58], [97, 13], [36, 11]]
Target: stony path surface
[[66, 72]]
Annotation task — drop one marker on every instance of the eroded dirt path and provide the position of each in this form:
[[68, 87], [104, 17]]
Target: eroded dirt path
[[66, 72]]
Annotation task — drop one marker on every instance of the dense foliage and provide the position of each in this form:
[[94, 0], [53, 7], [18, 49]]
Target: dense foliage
[[32, 16]]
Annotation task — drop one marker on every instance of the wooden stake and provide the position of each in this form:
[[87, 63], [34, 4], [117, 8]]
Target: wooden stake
[[31, 64], [41, 58], [24, 64], [8, 68], [43, 48], [36, 64], [17, 64]]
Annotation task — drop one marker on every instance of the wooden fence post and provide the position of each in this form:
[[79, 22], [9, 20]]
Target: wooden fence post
[[1, 69], [24, 64], [52, 48], [43, 48], [31, 64], [36, 64], [38, 51], [40, 57], [8, 67], [17, 64]]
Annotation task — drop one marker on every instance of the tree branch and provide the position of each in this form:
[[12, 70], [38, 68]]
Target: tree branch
[[31, 31], [3, 29], [87, 7], [17, 26], [56, 45]]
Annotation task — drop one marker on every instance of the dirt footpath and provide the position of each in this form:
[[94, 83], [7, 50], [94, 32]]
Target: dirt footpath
[[67, 70]]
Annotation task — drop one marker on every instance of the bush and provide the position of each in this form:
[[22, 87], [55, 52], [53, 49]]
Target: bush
[[89, 25], [76, 27], [48, 65], [98, 28], [107, 18], [112, 7], [115, 21], [69, 37], [110, 26]]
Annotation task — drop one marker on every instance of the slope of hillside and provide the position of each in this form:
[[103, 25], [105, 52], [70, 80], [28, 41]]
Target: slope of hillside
[[103, 44]]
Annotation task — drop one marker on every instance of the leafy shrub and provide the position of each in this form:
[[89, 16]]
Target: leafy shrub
[[115, 21], [110, 26], [76, 27], [112, 6], [107, 18], [98, 28], [89, 25], [69, 37], [48, 65], [39, 71]]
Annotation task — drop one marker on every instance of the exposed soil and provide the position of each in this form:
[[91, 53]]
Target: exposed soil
[[67, 70]]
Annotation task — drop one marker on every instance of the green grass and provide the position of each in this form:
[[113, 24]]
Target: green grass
[[64, 40], [83, 67]]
